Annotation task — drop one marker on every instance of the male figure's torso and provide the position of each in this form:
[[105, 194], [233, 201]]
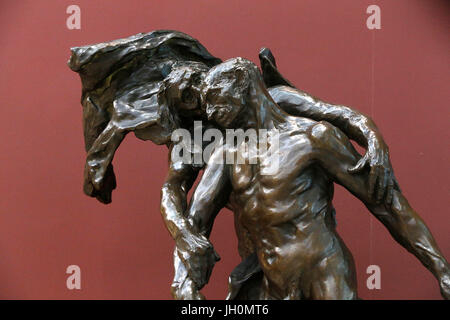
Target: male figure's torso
[[288, 214]]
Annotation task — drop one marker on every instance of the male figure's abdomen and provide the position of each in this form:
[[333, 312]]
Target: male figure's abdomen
[[310, 263]]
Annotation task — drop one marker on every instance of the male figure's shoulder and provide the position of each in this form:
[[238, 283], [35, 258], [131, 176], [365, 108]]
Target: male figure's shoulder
[[300, 125], [324, 136], [317, 132]]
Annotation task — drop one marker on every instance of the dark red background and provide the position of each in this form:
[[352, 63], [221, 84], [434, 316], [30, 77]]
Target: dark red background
[[399, 75]]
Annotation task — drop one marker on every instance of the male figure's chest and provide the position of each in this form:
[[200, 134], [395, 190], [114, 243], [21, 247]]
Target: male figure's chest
[[260, 168]]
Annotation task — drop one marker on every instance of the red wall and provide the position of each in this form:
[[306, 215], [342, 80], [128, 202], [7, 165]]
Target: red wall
[[399, 75]]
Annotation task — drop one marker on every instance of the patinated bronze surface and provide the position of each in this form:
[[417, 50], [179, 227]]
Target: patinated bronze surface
[[155, 83]]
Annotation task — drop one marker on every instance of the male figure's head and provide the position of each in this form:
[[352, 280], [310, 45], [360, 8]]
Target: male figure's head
[[228, 91]]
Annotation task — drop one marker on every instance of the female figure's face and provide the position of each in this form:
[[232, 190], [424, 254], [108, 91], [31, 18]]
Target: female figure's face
[[184, 91]]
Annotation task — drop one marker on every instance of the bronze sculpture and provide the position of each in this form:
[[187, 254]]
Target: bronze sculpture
[[153, 83]]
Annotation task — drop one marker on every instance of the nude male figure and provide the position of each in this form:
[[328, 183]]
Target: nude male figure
[[124, 90], [194, 248], [288, 214]]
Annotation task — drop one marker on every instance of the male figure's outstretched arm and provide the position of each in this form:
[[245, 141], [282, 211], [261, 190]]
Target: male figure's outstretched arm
[[336, 155]]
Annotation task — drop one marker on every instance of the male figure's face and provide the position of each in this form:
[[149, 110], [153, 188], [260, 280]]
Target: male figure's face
[[223, 104]]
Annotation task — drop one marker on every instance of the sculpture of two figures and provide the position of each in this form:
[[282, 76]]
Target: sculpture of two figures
[[159, 83]]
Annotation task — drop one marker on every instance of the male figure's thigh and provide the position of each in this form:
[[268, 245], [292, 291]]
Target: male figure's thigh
[[333, 277]]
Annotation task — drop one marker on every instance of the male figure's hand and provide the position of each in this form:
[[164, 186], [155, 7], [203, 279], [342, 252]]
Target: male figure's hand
[[183, 288], [381, 179], [198, 256], [444, 283], [186, 291]]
